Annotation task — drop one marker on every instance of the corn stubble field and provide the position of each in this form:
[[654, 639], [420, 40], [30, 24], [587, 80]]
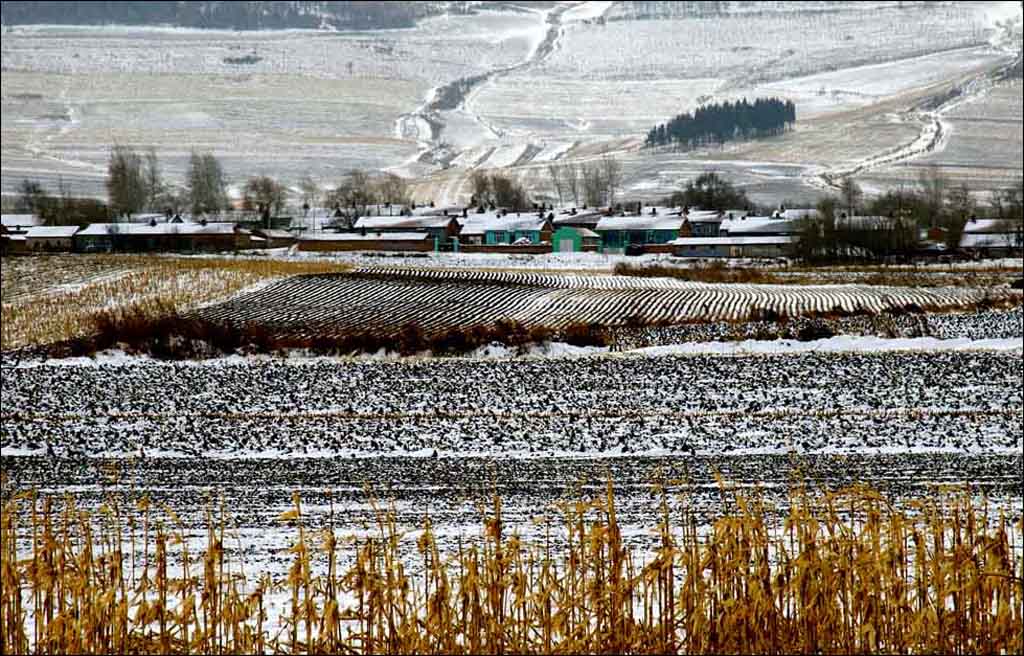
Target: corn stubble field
[[844, 573], [815, 502]]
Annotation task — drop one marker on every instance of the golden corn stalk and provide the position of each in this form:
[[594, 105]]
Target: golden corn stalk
[[843, 572]]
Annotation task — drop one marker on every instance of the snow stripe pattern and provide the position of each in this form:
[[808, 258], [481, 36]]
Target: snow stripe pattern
[[385, 299]]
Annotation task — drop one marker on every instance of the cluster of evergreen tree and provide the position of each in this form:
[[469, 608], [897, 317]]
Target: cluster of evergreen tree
[[726, 121]]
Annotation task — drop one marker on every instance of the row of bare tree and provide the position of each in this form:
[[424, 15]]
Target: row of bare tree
[[135, 184], [899, 216], [589, 183]]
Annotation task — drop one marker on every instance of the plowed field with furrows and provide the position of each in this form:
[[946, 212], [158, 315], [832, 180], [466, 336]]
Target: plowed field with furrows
[[442, 299]]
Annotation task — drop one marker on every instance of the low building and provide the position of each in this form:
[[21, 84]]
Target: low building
[[274, 238], [370, 241], [569, 239], [761, 226], [577, 218], [442, 228], [753, 246], [50, 239], [701, 223], [18, 224], [500, 229], [992, 237], [154, 237], [618, 233]]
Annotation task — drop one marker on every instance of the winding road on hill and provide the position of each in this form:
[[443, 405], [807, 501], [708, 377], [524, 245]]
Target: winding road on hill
[[426, 124]]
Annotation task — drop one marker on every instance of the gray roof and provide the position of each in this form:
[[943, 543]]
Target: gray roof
[[145, 229], [645, 222], [751, 240], [403, 222]]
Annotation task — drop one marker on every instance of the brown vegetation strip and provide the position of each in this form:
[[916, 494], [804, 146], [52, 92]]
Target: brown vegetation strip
[[843, 572]]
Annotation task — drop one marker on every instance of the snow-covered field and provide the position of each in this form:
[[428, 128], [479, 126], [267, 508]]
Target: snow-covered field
[[557, 82], [257, 430]]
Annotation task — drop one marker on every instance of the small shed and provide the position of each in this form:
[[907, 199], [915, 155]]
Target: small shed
[[568, 239], [50, 239]]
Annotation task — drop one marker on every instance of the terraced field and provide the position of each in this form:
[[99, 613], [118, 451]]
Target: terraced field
[[442, 299]]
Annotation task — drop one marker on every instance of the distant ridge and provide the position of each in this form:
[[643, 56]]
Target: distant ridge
[[352, 15]]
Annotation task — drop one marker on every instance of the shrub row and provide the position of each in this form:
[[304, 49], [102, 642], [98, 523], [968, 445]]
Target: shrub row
[[167, 335]]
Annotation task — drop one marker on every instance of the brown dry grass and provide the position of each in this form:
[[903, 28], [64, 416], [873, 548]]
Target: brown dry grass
[[40, 313], [842, 573]]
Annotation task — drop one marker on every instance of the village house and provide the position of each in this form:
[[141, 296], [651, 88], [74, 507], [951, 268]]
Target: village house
[[370, 241], [655, 226], [50, 239], [744, 237], [439, 228], [501, 228], [172, 237], [992, 237]]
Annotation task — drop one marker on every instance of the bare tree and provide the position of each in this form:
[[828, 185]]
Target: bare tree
[[30, 195], [555, 173], [206, 184], [354, 192], [933, 192], [961, 205], [126, 181], [571, 176], [264, 195], [310, 192], [594, 185], [481, 184], [393, 189], [851, 194], [153, 180], [508, 193], [611, 175]]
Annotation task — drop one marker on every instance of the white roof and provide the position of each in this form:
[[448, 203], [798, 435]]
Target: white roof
[[754, 240], [758, 225], [145, 229], [51, 232], [707, 216], [988, 240], [644, 222], [19, 220], [478, 224], [581, 216], [799, 213], [427, 210], [991, 226], [403, 222], [370, 236]]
